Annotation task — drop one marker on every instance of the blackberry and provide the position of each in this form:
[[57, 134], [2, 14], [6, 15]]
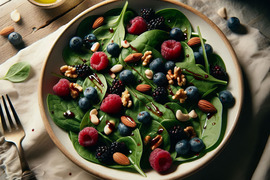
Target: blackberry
[[160, 95], [219, 73], [156, 23], [83, 70], [147, 14], [103, 154], [118, 147], [177, 133], [117, 87]]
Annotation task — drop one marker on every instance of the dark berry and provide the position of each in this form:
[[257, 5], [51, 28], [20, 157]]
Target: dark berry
[[157, 65], [118, 147], [137, 25], [147, 14], [117, 87], [182, 147], [91, 93], [160, 95], [103, 154], [89, 40], [156, 23], [160, 79], [226, 98], [124, 130], [83, 70], [126, 76], [208, 49], [169, 65], [177, 34], [15, 38], [62, 88], [199, 58], [171, 49], [218, 72], [196, 144], [193, 94], [144, 117], [113, 49], [234, 24], [84, 103], [177, 133], [160, 160], [88, 137], [75, 43], [99, 61]]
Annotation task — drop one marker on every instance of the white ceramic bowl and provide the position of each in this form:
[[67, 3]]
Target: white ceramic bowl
[[214, 37], [47, 5]]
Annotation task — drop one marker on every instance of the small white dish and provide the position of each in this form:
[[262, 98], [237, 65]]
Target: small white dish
[[47, 5]]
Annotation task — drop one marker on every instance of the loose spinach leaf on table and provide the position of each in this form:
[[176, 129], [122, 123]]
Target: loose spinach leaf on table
[[57, 106], [18, 72]]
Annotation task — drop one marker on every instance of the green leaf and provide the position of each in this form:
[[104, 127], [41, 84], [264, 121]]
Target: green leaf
[[72, 57], [18, 72]]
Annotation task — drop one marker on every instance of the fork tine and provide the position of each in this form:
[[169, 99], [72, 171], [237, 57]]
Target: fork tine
[[11, 124], [14, 112], [3, 121]]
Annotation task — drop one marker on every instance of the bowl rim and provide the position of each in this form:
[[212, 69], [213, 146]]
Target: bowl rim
[[225, 139], [47, 5]]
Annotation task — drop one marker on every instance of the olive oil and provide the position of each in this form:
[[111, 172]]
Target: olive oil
[[45, 1]]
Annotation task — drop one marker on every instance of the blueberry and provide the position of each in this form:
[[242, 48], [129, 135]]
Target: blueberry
[[208, 49], [160, 79], [198, 58], [182, 147], [157, 65], [169, 65], [144, 117], [89, 40], [75, 43], [90, 93], [126, 76], [15, 38], [196, 144], [124, 130], [113, 49], [233, 24], [177, 34], [193, 94], [226, 98], [84, 103]]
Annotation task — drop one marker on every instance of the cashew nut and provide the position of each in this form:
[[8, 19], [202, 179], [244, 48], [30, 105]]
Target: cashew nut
[[185, 117]]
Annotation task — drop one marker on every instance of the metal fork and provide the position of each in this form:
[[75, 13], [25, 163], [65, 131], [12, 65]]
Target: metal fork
[[14, 133]]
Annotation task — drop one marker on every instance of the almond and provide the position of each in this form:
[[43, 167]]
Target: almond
[[206, 106], [134, 57], [121, 159], [128, 121], [194, 41], [98, 22], [143, 88], [7, 30]]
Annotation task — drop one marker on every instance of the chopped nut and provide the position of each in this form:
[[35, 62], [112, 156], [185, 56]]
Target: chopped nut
[[93, 112], [15, 16], [181, 95], [222, 12], [126, 101], [95, 47], [93, 117], [190, 131], [146, 57], [146, 139], [125, 44], [177, 75], [158, 139], [116, 68], [69, 71], [75, 89], [109, 127], [149, 73], [185, 117]]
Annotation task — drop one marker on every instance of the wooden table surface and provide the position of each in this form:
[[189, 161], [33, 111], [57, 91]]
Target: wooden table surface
[[36, 23]]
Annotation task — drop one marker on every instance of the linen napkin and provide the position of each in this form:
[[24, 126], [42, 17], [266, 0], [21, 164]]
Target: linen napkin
[[237, 161]]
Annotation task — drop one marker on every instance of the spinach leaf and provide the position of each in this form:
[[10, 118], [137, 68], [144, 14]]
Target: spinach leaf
[[175, 18], [58, 106], [18, 72], [72, 57], [85, 26]]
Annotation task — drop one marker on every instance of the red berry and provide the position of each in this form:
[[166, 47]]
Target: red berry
[[88, 137], [171, 49], [160, 160], [99, 61], [111, 104], [61, 88], [137, 25]]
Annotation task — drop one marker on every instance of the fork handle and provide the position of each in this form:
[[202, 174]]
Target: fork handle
[[28, 175]]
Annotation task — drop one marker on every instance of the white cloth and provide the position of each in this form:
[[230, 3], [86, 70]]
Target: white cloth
[[238, 160]]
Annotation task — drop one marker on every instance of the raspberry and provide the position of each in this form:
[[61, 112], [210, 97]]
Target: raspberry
[[147, 14], [117, 87], [83, 70], [171, 49], [137, 25], [219, 73], [88, 137], [103, 154], [160, 95], [99, 61], [111, 104], [160, 160], [62, 88]]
